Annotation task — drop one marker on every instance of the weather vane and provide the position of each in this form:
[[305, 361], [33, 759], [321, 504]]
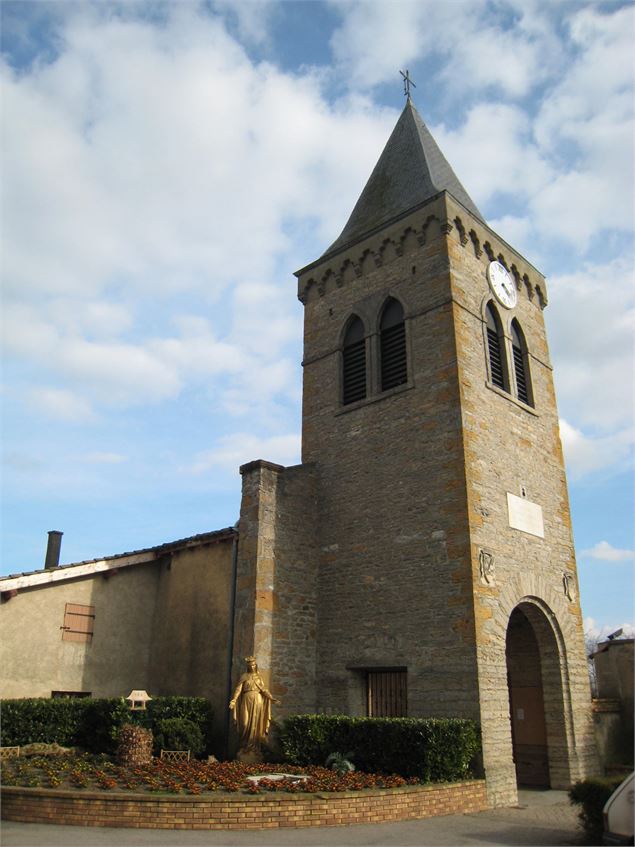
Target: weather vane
[[407, 82]]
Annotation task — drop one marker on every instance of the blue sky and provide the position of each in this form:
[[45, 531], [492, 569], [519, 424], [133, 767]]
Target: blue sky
[[167, 166]]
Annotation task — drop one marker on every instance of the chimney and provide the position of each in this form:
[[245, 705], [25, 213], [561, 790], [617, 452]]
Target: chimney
[[53, 549]]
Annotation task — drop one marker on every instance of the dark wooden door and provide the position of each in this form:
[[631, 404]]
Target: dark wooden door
[[529, 735]]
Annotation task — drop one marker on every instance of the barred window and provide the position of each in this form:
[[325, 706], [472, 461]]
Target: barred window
[[495, 348], [387, 693], [79, 621], [354, 363], [392, 346], [521, 365]]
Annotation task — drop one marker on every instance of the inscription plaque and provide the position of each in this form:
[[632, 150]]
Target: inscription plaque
[[525, 515]]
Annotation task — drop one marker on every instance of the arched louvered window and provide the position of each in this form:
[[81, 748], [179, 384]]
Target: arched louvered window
[[354, 363], [521, 366], [495, 347], [392, 346]]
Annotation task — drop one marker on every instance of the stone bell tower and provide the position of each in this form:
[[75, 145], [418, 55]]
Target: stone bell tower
[[422, 553]]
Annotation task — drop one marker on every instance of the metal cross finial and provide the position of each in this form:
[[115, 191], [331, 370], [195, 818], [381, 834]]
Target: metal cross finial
[[407, 82]]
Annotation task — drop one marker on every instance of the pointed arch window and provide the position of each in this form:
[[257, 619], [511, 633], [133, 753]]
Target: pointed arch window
[[495, 347], [521, 364], [392, 346], [354, 363]]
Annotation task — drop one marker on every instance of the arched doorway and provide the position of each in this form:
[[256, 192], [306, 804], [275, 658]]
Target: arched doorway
[[536, 699]]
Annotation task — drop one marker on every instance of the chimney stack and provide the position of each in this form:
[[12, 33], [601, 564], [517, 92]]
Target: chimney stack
[[53, 549]]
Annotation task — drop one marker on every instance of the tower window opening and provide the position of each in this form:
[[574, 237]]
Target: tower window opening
[[394, 361], [521, 371], [495, 348], [354, 363]]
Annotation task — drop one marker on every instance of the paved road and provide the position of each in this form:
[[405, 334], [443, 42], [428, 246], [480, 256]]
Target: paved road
[[543, 818]]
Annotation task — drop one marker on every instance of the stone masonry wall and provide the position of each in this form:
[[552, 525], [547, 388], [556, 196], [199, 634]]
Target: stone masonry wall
[[413, 488], [510, 447], [276, 599], [395, 573]]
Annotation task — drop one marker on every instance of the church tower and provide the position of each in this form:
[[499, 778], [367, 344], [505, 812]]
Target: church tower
[[420, 561]]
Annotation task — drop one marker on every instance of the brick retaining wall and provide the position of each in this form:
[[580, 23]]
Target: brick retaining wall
[[238, 811]]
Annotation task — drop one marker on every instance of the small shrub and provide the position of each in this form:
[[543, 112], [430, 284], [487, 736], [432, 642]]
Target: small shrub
[[591, 795], [340, 763], [179, 734]]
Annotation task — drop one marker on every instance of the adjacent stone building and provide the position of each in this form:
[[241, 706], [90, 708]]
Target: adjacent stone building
[[420, 560], [154, 619]]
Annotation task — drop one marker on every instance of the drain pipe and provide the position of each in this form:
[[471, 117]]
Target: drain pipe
[[230, 640]]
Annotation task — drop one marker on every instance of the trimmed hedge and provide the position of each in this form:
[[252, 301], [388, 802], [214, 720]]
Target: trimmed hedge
[[592, 795], [93, 723], [431, 749]]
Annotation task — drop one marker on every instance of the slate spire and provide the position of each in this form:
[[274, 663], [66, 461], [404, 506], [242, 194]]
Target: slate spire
[[411, 170]]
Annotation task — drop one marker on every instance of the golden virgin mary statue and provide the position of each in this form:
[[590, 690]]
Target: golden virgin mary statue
[[251, 709]]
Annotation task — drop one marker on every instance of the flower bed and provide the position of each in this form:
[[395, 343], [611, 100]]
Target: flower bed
[[189, 778]]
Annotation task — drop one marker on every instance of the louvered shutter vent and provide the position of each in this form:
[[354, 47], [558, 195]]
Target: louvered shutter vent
[[394, 362], [354, 364], [521, 379], [518, 349], [497, 372], [495, 363]]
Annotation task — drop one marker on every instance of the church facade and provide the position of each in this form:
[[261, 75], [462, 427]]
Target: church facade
[[419, 561]]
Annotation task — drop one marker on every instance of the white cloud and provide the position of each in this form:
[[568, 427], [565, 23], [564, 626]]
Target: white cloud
[[494, 147], [591, 318], [607, 553], [173, 165], [486, 51], [588, 454], [253, 19], [375, 38], [241, 447], [61, 404], [586, 125]]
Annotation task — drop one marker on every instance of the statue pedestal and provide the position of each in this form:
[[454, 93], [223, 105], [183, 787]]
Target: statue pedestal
[[249, 757]]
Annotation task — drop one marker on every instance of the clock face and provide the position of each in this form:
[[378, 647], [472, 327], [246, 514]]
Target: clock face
[[502, 285]]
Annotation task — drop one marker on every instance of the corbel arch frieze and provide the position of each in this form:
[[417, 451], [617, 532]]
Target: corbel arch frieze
[[478, 251], [367, 261], [307, 290], [329, 280], [430, 229], [528, 287], [542, 297], [458, 223], [489, 252], [409, 241], [347, 272], [502, 260]]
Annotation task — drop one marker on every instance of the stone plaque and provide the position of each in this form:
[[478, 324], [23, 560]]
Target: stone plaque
[[525, 515]]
